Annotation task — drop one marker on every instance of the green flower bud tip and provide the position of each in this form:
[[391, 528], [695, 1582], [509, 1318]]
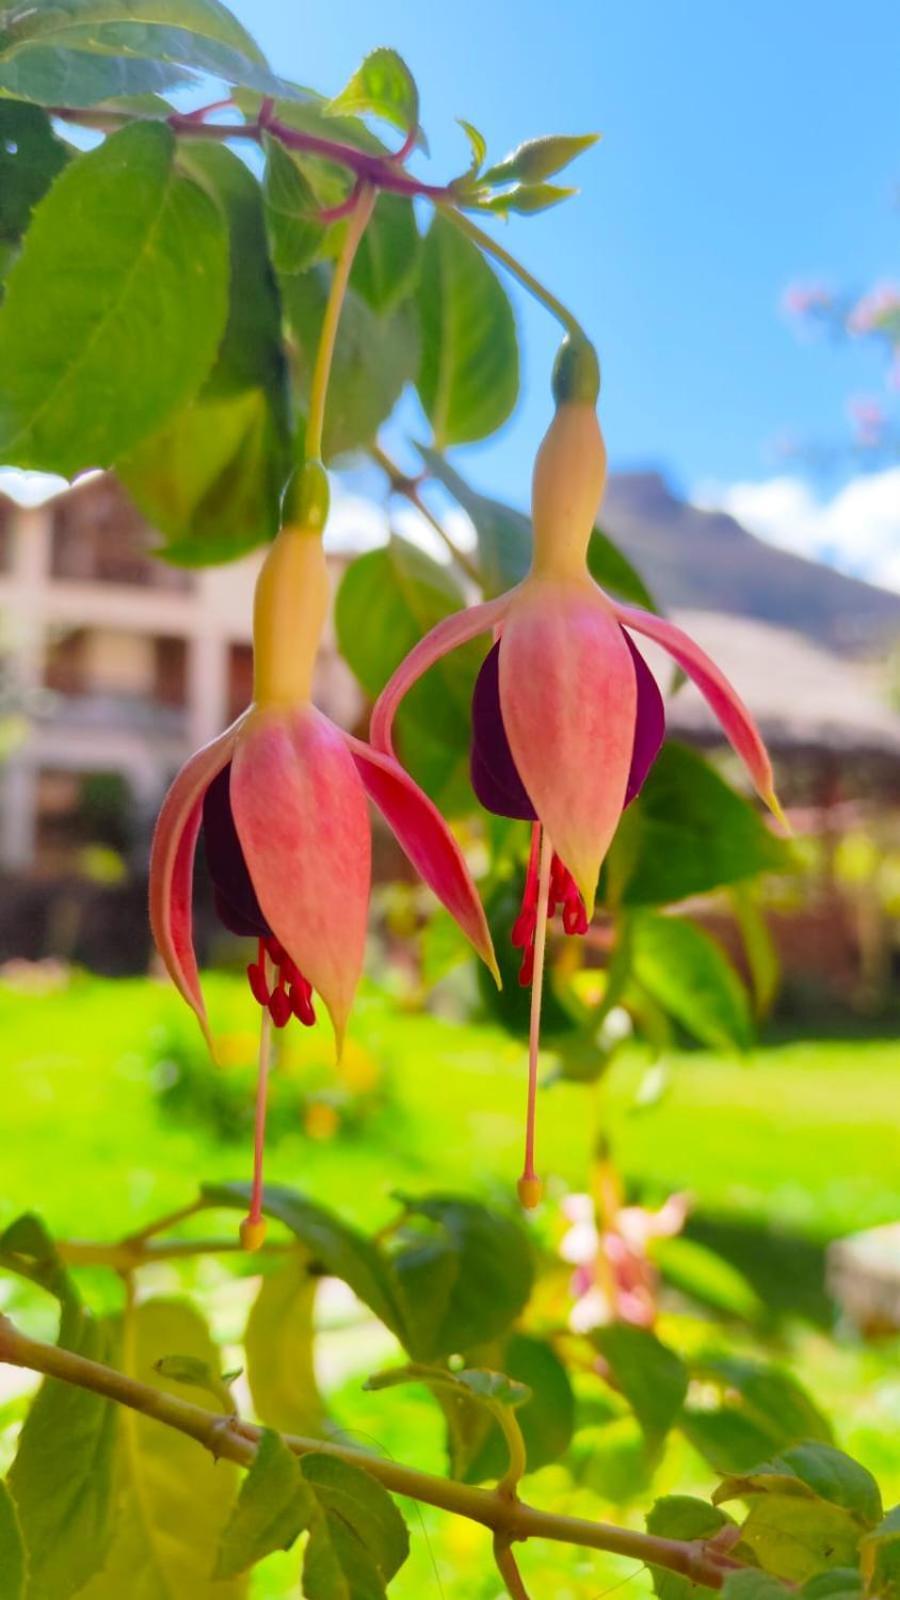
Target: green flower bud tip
[[576, 372], [306, 498]]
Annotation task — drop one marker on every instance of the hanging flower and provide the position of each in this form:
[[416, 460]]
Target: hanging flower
[[567, 718], [280, 799]]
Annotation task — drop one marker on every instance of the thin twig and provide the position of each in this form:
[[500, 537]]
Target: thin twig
[[237, 1440], [409, 489]]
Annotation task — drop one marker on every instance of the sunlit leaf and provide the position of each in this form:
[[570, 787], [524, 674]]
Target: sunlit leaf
[[279, 1348], [383, 86], [12, 1548], [527, 198], [291, 207], [61, 1478], [546, 1417], [114, 309], [173, 1496]]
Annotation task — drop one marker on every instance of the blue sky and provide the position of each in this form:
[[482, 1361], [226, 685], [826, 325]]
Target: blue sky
[[744, 145]]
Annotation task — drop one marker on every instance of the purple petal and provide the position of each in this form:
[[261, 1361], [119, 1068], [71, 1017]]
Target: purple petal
[[649, 727], [494, 774], [233, 891]]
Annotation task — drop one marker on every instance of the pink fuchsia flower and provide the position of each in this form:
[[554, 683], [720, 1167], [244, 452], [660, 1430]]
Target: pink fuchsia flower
[[614, 1278], [281, 801], [567, 718]]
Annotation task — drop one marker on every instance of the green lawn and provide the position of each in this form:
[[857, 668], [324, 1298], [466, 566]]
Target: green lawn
[[803, 1138], [803, 1135]]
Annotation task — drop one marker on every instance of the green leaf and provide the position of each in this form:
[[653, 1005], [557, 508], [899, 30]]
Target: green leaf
[[357, 1540], [763, 1409], [53, 76], [114, 309], [751, 1584], [880, 1561], [173, 1496], [841, 1583], [274, 1506], [504, 540], [61, 1478], [383, 86], [462, 1275], [809, 1507], [12, 1548], [388, 599], [211, 479], [546, 1417], [537, 159], [66, 46], [689, 832], [338, 1249], [469, 374], [194, 1373], [477, 145], [760, 948], [31, 157], [374, 358], [650, 1376], [813, 1471], [386, 267], [279, 1347], [680, 1516], [683, 968], [291, 204]]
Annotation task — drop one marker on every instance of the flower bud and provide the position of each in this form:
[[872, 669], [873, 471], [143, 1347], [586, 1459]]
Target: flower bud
[[569, 479]]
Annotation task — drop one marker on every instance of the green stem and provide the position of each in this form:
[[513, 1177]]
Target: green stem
[[410, 491], [238, 1442], [486, 242], [356, 227]]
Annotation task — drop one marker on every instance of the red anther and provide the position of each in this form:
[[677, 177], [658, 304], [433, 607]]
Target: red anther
[[258, 986], [290, 973], [523, 928], [573, 915], [302, 1006], [526, 970], [276, 951], [280, 1009]]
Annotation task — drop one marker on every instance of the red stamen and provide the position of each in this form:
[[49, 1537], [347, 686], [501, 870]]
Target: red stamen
[[275, 950], [526, 970], [301, 1003], [256, 976], [523, 928], [280, 1009]]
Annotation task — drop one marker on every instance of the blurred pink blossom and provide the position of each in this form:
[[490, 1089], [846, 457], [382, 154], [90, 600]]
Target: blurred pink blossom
[[614, 1278], [869, 419]]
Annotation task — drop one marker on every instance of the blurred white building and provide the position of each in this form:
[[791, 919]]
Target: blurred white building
[[114, 665]]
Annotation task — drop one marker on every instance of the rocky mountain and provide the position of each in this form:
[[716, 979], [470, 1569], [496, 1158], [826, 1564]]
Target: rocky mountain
[[705, 561]]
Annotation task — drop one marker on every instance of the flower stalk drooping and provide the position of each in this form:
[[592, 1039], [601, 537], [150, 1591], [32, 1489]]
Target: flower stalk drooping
[[567, 718]]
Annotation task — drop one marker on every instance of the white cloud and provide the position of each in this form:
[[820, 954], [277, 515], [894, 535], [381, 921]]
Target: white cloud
[[857, 530], [356, 524]]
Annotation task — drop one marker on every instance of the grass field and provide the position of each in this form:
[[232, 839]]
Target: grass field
[[802, 1137]]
